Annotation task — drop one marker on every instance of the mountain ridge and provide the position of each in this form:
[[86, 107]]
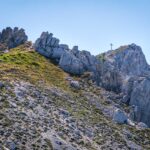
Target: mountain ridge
[[45, 104]]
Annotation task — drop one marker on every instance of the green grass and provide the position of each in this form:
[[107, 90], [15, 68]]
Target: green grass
[[22, 63]]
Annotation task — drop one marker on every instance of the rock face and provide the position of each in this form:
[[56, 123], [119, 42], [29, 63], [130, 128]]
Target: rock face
[[126, 71], [77, 62], [71, 64], [72, 61], [10, 38], [111, 79], [121, 64], [48, 46], [128, 60], [140, 97]]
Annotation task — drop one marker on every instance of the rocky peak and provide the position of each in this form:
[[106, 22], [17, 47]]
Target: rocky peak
[[48, 46], [129, 60], [10, 38]]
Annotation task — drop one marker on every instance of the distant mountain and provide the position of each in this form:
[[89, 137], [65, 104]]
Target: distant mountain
[[53, 97]]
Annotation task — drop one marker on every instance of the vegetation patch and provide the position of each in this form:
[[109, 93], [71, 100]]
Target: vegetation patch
[[22, 63]]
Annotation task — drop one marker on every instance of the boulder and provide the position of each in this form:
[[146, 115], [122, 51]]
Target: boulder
[[141, 126], [119, 116], [12, 37], [75, 84]]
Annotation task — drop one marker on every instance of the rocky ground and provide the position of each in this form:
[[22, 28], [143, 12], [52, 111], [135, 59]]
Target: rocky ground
[[35, 117]]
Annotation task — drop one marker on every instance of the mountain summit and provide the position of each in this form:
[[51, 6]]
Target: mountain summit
[[54, 98]]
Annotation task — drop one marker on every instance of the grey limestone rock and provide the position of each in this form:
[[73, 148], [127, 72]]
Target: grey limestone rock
[[141, 126], [71, 64], [128, 60], [126, 70], [77, 62], [11, 38], [49, 46], [119, 65], [75, 84], [119, 116], [140, 98], [72, 61]]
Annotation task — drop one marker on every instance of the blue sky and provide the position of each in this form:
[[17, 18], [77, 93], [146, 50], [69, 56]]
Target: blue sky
[[90, 24]]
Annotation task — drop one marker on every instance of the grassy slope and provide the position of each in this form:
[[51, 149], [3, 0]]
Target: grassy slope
[[20, 63]]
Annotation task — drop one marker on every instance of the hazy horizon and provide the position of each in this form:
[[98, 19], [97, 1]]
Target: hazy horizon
[[90, 24]]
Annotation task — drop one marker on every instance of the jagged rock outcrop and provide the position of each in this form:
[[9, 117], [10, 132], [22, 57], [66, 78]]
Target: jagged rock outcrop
[[121, 64], [72, 61], [128, 60], [77, 62], [126, 71], [10, 38], [48, 46]]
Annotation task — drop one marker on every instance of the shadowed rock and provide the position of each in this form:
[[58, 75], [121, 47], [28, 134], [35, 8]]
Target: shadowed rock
[[10, 38], [140, 97], [119, 116]]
